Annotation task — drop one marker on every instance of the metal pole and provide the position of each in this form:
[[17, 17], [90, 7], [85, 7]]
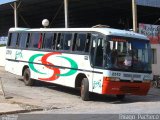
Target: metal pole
[[66, 13], [2, 88], [3, 92], [15, 15], [134, 14]]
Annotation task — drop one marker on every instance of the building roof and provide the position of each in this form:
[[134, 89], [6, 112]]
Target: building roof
[[82, 13]]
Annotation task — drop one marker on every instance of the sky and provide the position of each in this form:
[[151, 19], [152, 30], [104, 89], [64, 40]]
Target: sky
[[6, 1], [153, 3]]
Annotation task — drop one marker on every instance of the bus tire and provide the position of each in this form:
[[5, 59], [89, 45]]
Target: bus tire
[[120, 97], [26, 77], [85, 89]]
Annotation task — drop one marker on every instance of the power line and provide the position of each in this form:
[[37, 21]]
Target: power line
[[56, 14]]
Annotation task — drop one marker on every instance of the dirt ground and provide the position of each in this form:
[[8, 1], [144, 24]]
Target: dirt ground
[[58, 99]]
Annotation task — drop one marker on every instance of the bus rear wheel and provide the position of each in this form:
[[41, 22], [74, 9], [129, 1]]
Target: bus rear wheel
[[85, 89], [26, 77]]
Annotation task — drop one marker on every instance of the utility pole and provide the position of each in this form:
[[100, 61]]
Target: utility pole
[[3, 92], [2, 89], [134, 14], [66, 13], [15, 8], [15, 15]]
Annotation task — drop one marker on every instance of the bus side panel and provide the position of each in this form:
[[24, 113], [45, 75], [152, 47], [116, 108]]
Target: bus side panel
[[53, 67], [13, 61], [56, 67], [74, 65], [97, 81]]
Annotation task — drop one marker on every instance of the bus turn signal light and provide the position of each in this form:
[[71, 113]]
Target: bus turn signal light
[[111, 79]]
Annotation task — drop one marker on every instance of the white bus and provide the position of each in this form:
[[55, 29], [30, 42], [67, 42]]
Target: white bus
[[100, 60]]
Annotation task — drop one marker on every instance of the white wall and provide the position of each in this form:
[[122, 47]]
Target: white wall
[[156, 67], [2, 56]]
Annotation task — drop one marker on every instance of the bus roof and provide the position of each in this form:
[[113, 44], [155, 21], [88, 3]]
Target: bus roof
[[106, 31]]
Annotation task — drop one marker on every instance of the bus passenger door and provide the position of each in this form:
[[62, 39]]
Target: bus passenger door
[[97, 62]]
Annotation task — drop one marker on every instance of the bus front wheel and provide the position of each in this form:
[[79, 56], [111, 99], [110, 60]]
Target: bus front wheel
[[26, 77], [85, 89]]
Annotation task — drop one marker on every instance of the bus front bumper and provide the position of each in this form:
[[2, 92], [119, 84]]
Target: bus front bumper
[[121, 88]]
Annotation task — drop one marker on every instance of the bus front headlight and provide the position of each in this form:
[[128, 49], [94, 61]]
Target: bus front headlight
[[113, 79]]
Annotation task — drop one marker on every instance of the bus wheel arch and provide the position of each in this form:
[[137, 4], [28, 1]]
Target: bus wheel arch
[[79, 79], [25, 67]]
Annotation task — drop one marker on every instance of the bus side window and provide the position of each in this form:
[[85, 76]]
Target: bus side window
[[47, 40], [99, 53], [67, 41], [80, 42], [97, 46], [22, 39], [61, 42], [35, 40], [87, 44], [74, 41], [58, 40], [40, 41], [28, 40], [54, 41], [9, 39], [93, 46], [17, 42], [13, 39]]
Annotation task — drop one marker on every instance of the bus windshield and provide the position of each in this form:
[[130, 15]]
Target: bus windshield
[[128, 54]]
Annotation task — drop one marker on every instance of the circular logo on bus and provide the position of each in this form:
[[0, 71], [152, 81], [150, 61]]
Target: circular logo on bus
[[56, 69]]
